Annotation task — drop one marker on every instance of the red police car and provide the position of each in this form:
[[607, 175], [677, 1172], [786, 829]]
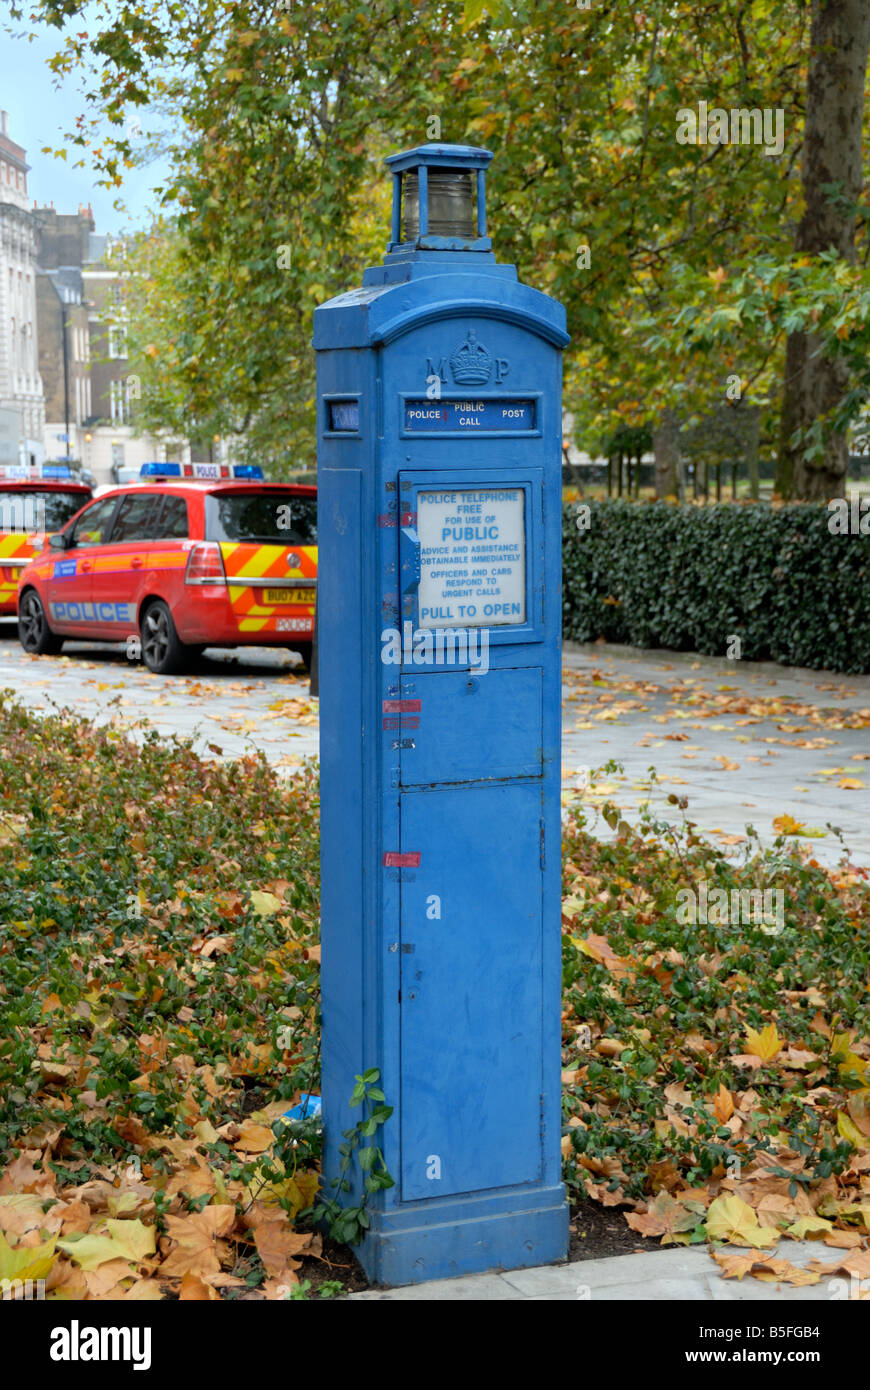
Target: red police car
[[33, 501], [196, 555]]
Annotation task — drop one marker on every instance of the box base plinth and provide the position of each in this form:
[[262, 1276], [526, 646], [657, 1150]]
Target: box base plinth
[[451, 1238]]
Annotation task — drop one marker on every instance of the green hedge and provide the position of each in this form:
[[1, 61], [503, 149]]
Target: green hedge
[[686, 577]]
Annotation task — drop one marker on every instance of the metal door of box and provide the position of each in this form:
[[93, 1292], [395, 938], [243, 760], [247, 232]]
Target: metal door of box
[[473, 727], [470, 1010]]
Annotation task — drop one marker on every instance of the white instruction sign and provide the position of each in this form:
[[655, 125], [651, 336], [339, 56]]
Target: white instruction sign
[[472, 557]]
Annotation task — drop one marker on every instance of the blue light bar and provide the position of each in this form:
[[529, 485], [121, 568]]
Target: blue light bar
[[247, 470], [160, 470], [56, 470]]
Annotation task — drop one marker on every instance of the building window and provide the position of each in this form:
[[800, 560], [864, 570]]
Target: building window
[[118, 402], [117, 340]]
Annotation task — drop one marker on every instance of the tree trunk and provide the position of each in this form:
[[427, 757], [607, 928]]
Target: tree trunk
[[666, 448], [813, 384]]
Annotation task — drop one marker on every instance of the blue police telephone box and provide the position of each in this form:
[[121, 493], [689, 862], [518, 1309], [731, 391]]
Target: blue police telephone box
[[439, 476]]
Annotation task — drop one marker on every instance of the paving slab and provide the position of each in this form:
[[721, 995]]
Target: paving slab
[[687, 1274]]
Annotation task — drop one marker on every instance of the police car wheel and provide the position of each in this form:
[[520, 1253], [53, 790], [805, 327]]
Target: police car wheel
[[34, 632], [162, 649]]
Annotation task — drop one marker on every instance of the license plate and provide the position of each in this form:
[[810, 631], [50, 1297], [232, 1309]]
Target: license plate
[[289, 595]]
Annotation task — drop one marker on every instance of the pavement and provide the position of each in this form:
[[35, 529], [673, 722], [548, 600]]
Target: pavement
[[745, 743], [686, 1274]]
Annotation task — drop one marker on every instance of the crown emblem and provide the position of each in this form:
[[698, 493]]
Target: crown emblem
[[471, 364]]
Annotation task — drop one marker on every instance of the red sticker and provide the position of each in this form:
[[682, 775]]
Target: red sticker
[[402, 706], [392, 860]]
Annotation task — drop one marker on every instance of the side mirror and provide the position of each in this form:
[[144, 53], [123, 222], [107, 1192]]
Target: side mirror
[[58, 541]]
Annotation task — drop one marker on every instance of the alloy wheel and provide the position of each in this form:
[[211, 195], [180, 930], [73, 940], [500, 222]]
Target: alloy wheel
[[31, 619], [155, 636]]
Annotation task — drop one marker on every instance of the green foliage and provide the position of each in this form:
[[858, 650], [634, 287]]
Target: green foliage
[[680, 997], [330, 1288], [134, 960], [281, 117], [690, 578], [350, 1223]]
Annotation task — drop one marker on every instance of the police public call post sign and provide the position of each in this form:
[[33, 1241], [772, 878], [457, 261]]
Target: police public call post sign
[[439, 476], [468, 416]]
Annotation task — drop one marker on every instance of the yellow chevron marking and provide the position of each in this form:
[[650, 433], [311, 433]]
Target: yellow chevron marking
[[13, 545], [269, 610]]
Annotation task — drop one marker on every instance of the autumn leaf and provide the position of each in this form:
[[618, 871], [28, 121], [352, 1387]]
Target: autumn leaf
[[144, 1291], [599, 949], [123, 1240], [783, 1272], [766, 1044], [847, 1129], [807, 1225], [859, 1109], [732, 1219], [787, 825], [664, 1217], [265, 904], [254, 1138], [196, 1250], [723, 1105], [277, 1243], [733, 1266], [25, 1262], [195, 1290]]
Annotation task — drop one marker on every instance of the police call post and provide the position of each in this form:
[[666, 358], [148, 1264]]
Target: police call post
[[472, 557]]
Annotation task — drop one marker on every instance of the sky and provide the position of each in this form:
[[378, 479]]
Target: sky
[[40, 110]]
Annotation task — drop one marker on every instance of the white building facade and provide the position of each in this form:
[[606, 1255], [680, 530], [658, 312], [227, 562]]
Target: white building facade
[[21, 390]]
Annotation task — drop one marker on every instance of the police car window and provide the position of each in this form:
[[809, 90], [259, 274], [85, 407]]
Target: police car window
[[38, 510], [136, 519], [273, 518], [172, 524], [92, 527]]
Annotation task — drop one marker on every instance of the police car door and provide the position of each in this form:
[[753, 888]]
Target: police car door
[[70, 583], [118, 565]]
